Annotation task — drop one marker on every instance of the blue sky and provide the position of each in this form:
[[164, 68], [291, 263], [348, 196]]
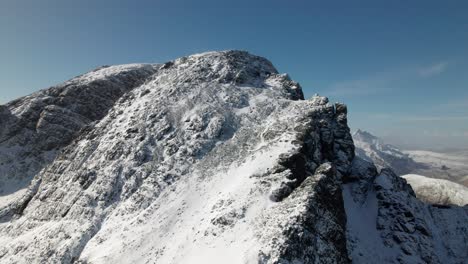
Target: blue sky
[[401, 66]]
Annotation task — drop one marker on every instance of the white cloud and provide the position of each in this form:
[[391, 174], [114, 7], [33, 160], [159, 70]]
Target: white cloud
[[434, 69], [384, 81], [370, 85], [354, 88]]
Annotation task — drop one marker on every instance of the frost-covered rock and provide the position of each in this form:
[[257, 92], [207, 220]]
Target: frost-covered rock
[[210, 158], [34, 129], [386, 223]]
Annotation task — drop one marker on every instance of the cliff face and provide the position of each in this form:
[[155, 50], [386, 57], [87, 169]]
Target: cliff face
[[387, 223], [211, 158], [33, 129]]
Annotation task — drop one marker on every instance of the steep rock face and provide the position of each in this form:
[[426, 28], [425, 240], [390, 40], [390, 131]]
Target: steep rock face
[[34, 128], [387, 223], [206, 158]]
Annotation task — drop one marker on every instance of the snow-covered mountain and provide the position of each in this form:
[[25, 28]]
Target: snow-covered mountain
[[211, 158], [438, 191], [451, 166], [374, 149]]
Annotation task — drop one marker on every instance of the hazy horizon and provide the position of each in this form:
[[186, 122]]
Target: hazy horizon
[[400, 67]]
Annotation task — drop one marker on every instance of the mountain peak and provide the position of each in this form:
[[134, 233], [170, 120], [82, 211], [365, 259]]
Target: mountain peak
[[205, 146], [374, 149], [123, 164], [232, 67], [364, 136]]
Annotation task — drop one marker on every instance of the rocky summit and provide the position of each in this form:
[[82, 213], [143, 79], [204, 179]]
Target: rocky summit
[[210, 158]]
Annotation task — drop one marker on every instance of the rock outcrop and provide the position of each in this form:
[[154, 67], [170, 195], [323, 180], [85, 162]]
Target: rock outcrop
[[386, 222]]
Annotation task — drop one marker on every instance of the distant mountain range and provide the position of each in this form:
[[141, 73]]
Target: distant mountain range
[[374, 149], [444, 173], [451, 166]]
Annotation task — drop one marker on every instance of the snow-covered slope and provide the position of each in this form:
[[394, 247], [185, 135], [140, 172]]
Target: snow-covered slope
[[211, 158], [437, 191]]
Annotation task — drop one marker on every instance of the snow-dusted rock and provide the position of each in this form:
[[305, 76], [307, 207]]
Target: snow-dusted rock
[[211, 158], [386, 223], [34, 129]]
